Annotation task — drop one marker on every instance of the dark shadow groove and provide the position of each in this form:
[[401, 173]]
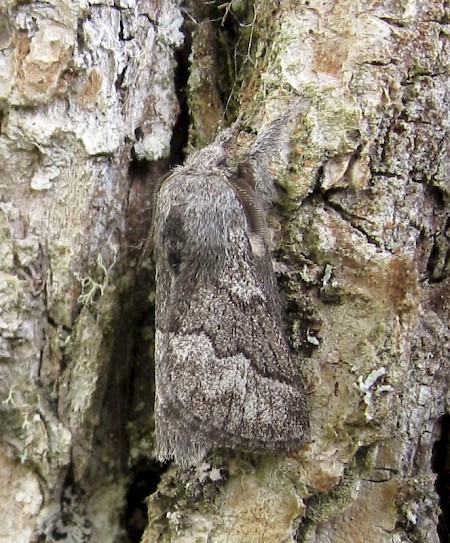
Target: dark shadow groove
[[441, 466]]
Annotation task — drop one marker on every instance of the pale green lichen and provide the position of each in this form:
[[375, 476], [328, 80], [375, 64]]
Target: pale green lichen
[[92, 290], [323, 507]]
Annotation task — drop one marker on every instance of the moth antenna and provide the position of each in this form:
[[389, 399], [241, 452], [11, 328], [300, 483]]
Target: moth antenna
[[252, 207]]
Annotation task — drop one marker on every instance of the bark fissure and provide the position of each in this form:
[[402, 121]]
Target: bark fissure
[[441, 466]]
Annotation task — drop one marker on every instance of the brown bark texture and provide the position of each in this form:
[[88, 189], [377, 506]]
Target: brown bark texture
[[97, 100]]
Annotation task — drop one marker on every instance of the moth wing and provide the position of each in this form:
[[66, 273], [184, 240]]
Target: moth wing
[[241, 390]]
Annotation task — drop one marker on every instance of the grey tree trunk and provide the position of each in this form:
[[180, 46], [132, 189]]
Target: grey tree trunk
[[97, 100]]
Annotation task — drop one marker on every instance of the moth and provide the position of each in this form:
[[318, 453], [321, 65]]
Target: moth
[[225, 376]]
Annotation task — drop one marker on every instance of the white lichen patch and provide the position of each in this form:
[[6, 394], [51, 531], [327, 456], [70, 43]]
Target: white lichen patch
[[205, 471], [28, 495], [43, 179], [20, 500], [312, 339], [369, 389], [327, 275]]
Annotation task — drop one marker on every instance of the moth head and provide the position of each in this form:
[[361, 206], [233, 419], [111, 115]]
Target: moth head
[[202, 219], [194, 208]]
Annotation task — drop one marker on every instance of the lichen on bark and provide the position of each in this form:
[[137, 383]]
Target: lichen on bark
[[79, 83]]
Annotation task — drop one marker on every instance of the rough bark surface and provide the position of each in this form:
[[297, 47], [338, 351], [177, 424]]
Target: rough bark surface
[[84, 88], [90, 92]]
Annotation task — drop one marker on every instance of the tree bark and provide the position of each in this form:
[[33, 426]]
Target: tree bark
[[86, 91], [97, 99]]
